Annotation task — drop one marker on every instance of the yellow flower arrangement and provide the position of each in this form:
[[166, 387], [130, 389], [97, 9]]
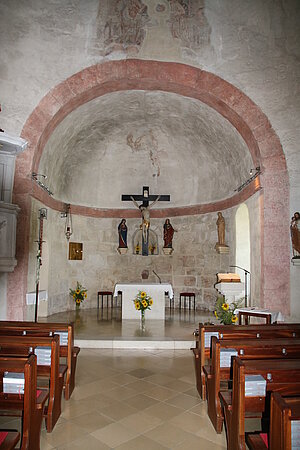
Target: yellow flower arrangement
[[225, 312], [142, 302], [79, 294]]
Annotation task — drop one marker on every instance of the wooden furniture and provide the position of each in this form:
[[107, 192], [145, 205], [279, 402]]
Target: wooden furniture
[[67, 349], [105, 295], [261, 331], [247, 349], [31, 403], [266, 314], [26, 345], [281, 376], [187, 298], [283, 411], [9, 439]]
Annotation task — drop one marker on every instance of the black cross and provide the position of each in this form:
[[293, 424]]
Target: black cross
[[145, 197]]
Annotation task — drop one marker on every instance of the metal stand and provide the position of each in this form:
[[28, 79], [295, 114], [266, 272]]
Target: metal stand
[[246, 284]]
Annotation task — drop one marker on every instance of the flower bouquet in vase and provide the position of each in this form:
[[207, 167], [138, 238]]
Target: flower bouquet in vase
[[79, 294], [142, 302]]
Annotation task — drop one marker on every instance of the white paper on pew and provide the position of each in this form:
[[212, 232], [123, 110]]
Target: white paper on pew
[[255, 386], [207, 337], [225, 356], [13, 383]]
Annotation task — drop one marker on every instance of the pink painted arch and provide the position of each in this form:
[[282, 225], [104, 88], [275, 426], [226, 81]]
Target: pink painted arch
[[242, 113]]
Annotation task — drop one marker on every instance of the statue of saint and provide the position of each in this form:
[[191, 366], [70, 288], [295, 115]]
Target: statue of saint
[[295, 234], [145, 217], [122, 230], [168, 234], [221, 229]]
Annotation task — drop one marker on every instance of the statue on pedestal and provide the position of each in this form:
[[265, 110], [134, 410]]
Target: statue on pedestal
[[220, 246], [122, 230], [295, 235], [168, 237]]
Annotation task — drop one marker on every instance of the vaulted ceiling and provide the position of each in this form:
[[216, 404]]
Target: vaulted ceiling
[[121, 141]]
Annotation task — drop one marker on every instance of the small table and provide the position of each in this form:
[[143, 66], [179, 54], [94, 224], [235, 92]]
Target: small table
[[269, 316]]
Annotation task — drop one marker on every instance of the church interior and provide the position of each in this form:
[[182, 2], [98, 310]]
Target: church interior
[[154, 144]]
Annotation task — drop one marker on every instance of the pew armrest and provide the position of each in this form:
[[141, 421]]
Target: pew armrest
[[207, 371], [76, 350], [255, 442]]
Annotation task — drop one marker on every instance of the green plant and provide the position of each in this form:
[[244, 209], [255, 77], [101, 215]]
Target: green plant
[[225, 311]]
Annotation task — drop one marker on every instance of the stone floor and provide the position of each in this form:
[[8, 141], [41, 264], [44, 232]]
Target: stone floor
[[105, 329], [132, 399]]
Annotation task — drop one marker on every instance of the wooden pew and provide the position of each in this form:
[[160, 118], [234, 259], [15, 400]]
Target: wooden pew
[[69, 351], [281, 375], [25, 345], [283, 411], [260, 331], [247, 349], [31, 403], [9, 439]]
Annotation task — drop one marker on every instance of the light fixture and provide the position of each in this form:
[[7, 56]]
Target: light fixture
[[35, 176], [253, 175], [68, 225]]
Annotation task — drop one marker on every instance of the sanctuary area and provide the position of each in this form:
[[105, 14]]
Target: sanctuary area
[[149, 188]]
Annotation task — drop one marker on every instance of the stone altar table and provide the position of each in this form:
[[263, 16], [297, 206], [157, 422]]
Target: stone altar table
[[156, 291]]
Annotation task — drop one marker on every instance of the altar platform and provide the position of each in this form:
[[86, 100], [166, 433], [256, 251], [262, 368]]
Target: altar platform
[[97, 329]]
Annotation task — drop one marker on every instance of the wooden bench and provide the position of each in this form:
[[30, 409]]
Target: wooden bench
[[282, 412], [24, 346], [261, 331], [247, 349], [69, 351], [31, 403], [280, 375], [9, 439]]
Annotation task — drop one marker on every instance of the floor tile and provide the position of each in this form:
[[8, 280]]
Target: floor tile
[[163, 411], [114, 434], [141, 422], [168, 435], [141, 443]]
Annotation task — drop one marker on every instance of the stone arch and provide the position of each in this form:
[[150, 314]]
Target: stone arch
[[230, 102]]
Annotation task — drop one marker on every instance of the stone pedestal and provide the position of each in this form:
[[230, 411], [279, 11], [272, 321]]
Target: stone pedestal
[[167, 250], [222, 248], [231, 291], [123, 250]]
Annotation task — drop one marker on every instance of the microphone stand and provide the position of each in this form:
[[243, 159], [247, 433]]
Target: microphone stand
[[246, 284], [157, 276]]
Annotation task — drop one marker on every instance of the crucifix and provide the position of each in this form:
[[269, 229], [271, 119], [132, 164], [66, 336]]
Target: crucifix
[[144, 207]]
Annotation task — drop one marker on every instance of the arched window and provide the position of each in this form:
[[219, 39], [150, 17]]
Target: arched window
[[242, 243]]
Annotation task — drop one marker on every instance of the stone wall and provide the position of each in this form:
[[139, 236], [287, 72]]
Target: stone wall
[[192, 266]]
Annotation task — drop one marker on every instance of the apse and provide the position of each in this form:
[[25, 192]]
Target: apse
[[124, 140]]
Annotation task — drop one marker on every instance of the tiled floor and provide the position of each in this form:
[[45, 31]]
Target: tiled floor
[[133, 399]]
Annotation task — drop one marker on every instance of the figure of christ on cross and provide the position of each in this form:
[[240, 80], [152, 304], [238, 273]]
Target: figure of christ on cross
[[144, 208]]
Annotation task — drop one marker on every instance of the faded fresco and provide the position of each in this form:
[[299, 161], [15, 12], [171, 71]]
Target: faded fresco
[[188, 23], [122, 24], [147, 143], [123, 28]]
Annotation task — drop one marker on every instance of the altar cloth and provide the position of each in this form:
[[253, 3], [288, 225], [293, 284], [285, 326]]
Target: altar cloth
[[155, 290]]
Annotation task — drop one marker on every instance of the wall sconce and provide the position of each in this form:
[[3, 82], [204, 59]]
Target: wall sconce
[[253, 175], [68, 226], [36, 177]]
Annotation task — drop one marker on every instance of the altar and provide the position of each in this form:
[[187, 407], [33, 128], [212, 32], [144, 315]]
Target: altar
[[155, 290]]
